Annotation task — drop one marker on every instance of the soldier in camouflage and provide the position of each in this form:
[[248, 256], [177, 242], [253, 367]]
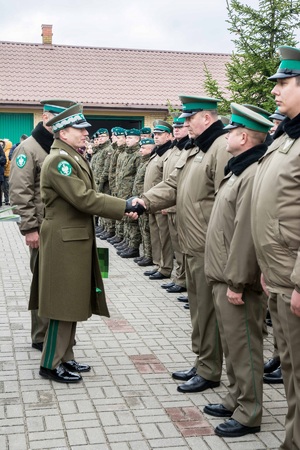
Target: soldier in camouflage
[[128, 172], [147, 145]]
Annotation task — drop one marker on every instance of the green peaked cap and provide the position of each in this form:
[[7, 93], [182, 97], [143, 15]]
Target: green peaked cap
[[191, 105], [56, 106], [244, 117], [258, 110], [290, 63]]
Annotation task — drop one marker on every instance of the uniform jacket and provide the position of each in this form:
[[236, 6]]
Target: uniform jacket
[[138, 184], [170, 160], [104, 176], [229, 250], [99, 167], [128, 171], [120, 161], [24, 181], [8, 146], [67, 285], [192, 186], [112, 173], [97, 155], [154, 171], [276, 211]]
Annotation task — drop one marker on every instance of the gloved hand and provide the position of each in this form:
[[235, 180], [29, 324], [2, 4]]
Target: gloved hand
[[137, 208]]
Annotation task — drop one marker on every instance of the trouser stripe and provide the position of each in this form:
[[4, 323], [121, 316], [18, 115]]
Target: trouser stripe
[[51, 343]]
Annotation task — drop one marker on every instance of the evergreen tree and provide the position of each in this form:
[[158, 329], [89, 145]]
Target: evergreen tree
[[258, 35]]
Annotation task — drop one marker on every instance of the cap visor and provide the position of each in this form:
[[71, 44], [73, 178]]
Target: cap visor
[[277, 117], [230, 127], [186, 114], [81, 125], [280, 75]]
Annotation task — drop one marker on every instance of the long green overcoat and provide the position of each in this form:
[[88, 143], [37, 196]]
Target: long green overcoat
[[67, 283]]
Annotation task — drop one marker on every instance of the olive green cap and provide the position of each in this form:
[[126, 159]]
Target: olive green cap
[[70, 117], [258, 110], [289, 65], [244, 117], [161, 126]]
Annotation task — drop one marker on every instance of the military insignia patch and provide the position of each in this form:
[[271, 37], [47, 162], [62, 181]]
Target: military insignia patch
[[64, 168], [21, 161]]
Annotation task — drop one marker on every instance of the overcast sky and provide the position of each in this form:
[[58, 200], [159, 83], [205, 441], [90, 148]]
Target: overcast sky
[[183, 25]]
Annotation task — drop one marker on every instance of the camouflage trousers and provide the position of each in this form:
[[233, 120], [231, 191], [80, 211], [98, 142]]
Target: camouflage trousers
[[145, 235]]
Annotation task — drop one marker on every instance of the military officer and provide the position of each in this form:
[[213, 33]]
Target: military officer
[[67, 285], [24, 183], [232, 269], [121, 143], [180, 131], [276, 232], [192, 186], [162, 251]]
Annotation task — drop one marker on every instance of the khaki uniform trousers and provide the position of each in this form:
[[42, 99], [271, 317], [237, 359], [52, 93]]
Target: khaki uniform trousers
[[241, 330], [286, 326], [162, 251], [179, 278], [39, 325], [58, 344], [206, 342]]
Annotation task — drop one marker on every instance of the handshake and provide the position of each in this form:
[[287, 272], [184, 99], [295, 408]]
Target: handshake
[[135, 206]]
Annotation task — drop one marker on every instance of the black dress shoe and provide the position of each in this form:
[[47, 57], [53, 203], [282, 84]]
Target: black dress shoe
[[145, 262], [274, 377], [197, 384], [184, 375], [233, 428], [157, 276], [37, 346], [130, 253], [183, 298], [74, 366], [150, 272], [167, 285], [217, 410], [186, 306], [271, 365], [60, 374], [176, 289]]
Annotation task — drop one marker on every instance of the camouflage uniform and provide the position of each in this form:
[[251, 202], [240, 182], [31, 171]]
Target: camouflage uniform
[[104, 185], [143, 221], [129, 168], [118, 182], [101, 185]]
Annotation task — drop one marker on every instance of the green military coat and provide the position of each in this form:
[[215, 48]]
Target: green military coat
[[67, 283]]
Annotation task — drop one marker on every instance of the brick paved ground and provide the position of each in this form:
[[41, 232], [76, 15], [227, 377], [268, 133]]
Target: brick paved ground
[[128, 400]]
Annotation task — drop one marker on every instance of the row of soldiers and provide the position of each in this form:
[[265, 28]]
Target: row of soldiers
[[238, 228], [127, 165]]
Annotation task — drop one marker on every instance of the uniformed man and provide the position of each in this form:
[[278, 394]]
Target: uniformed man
[[146, 147], [231, 268], [180, 132], [67, 285], [146, 133], [192, 186], [121, 143], [112, 174], [276, 233], [129, 168], [102, 174], [25, 194], [162, 251]]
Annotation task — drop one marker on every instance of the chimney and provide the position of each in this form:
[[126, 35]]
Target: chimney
[[47, 34]]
